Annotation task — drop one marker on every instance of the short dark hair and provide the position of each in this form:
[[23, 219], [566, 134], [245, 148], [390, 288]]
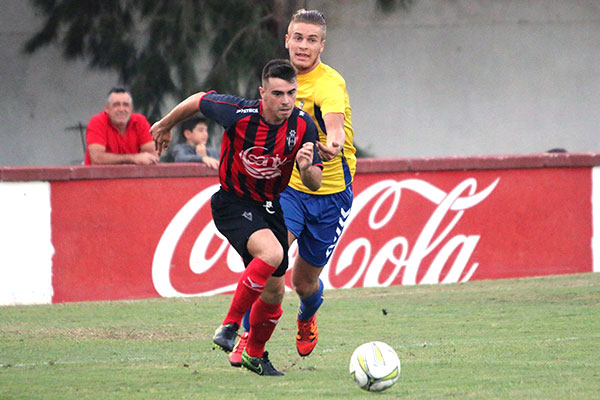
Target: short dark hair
[[314, 17], [118, 89], [190, 123], [279, 68]]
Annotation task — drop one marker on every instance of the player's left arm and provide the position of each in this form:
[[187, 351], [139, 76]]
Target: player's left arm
[[336, 136], [311, 173]]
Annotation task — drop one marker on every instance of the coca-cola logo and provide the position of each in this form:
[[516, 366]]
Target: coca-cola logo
[[262, 166], [373, 249]]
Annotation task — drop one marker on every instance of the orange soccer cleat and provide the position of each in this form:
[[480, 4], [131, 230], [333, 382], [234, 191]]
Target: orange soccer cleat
[[307, 336], [235, 357]]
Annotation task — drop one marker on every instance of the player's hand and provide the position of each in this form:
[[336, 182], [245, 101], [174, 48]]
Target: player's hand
[[328, 152], [161, 137], [304, 157]]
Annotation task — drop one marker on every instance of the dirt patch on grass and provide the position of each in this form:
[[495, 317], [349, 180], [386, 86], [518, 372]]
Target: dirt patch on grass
[[83, 334]]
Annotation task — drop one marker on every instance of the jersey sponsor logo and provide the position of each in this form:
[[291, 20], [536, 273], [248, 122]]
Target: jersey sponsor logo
[[262, 166], [247, 111]]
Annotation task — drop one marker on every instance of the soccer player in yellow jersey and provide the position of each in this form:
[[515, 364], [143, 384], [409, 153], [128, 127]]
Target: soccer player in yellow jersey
[[316, 219]]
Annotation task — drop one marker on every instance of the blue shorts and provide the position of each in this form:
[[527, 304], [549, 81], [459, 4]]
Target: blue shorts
[[316, 220]]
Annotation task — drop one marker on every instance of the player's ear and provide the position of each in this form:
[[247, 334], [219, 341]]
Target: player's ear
[[287, 38], [261, 90]]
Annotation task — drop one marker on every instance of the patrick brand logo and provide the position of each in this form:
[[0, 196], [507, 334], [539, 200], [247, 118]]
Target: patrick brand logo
[[247, 111], [262, 166]]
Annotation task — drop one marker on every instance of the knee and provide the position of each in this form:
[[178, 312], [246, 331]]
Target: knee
[[273, 256], [305, 288]]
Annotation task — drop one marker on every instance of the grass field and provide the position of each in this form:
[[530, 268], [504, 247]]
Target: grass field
[[533, 338]]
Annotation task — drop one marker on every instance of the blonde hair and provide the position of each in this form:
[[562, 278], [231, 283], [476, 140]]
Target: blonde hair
[[314, 17]]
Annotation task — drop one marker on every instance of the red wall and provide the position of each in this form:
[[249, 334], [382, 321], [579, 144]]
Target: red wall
[[134, 232]]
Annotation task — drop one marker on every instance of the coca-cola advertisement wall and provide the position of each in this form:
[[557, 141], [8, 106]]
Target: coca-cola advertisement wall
[[137, 238]]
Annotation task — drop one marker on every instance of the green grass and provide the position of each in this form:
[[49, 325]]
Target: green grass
[[533, 338]]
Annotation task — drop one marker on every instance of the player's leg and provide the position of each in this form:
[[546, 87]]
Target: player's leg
[[256, 243], [266, 311], [265, 315], [323, 227], [267, 254], [235, 357], [305, 278]]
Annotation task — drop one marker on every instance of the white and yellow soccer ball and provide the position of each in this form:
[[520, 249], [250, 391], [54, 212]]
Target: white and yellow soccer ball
[[374, 366]]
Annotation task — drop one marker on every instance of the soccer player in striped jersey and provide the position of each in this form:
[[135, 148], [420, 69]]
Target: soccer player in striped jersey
[[264, 140]]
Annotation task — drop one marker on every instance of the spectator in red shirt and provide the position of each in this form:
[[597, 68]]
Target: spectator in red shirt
[[119, 136]]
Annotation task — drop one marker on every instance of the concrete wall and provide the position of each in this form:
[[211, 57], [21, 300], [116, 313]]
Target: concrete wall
[[470, 77], [447, 77]]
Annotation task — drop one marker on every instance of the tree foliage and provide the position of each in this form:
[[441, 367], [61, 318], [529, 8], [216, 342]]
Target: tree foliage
[[173, 48], [162, 48]]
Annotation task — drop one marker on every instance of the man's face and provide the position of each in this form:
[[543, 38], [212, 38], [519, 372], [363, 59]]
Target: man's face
[[305, 44], [199, 135], [119, 108], [279, 97]]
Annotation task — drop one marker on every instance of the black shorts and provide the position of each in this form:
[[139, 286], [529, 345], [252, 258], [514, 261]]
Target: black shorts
[[237, 219]]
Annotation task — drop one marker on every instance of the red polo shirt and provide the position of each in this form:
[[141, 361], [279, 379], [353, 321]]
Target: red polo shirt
[[101, 131]]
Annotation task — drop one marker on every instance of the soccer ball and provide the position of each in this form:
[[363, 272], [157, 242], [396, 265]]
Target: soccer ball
[[374, 366]]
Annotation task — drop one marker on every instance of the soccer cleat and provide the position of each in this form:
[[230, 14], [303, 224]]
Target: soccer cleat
[[225, 336], [307, 336], [259, 365], [235, 357]]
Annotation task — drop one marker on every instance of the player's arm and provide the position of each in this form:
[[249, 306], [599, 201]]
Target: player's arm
[[311, 174], [161, 130], [336, 136], [99, 155]]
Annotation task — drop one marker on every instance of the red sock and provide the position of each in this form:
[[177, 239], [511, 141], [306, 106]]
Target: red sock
[[263, 320], [250, 286]]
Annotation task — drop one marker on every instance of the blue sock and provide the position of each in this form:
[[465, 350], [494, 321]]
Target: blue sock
[[310, 305], [246, 321]]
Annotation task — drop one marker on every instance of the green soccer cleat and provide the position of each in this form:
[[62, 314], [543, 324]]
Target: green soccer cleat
[[260, 365]]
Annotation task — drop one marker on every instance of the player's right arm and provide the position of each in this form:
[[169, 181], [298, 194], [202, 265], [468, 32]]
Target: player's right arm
[[161, 130], [310, 173], [336, 136]]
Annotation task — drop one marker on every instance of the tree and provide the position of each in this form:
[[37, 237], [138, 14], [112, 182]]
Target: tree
[[162, 48], [172, 48]]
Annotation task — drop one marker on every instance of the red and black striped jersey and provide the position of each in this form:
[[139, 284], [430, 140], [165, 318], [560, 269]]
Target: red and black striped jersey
[[257, 158]]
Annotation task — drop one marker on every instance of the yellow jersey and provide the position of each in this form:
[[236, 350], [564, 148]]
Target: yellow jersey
[[320, 92]]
